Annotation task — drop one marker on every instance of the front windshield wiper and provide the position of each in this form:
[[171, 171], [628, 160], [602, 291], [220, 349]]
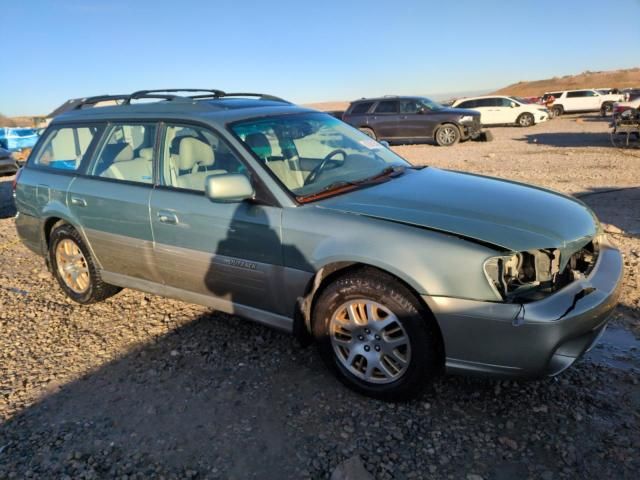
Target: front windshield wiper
[[340, 185]]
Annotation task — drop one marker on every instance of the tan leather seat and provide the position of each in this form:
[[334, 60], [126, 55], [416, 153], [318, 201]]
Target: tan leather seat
[[125, 167], [194, 153], [259, 143]]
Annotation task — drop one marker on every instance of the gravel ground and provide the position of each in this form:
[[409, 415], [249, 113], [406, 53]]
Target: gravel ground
[[141, 387]]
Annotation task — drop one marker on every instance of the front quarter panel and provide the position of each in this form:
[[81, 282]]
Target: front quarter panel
[[431, 262]]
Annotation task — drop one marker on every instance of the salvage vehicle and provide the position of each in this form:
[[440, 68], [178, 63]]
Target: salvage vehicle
[[498, 109], [412, 119], [8, 163], [625, 131], [16, 139], [587, 100], [289, 217]]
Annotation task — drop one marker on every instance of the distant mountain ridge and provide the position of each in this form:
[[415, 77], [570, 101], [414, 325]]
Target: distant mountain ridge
[[604, 79]]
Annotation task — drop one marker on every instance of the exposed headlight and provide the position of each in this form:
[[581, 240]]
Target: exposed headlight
[[534, 274], [466, 118]]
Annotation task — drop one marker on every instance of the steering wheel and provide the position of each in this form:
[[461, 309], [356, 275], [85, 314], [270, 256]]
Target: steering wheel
[[316, 171]]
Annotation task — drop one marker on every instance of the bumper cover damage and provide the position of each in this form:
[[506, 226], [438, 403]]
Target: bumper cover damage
[[531, 339]]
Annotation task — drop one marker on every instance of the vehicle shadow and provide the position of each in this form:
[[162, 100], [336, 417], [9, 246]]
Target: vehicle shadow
[[569, 139], [7, 206], [615, 206]]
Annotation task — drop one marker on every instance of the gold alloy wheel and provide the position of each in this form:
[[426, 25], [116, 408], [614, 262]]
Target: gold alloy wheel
[[72, 266], [369, 341]]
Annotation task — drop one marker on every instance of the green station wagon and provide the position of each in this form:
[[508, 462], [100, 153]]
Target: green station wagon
[[289, 217]]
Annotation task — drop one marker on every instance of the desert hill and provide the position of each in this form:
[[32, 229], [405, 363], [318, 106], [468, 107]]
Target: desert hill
[[605, 79]]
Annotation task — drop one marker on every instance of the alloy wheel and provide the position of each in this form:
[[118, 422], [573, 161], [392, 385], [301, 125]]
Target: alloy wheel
[[369, 341], [72, 266], [446, 135]]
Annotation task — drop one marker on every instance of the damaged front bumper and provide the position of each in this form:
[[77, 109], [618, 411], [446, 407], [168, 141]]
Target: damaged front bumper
[[533, 339]]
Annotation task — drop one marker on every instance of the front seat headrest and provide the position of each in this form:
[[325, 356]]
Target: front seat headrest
[[259, 143], [194, 152]]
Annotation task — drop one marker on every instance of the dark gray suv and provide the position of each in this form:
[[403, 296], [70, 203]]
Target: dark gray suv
[[412, 119]]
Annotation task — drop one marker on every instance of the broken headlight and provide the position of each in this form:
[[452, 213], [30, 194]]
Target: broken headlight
[[523, 274], [532, 275]]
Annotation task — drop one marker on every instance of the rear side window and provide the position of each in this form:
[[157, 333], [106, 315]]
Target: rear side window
[[360, 108], [387, 106], [486, 102], [65, 147], [580, 93], [127, 154], [468, 104]]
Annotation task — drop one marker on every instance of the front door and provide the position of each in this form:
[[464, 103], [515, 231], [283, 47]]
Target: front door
[[231, 251], [416, 121]]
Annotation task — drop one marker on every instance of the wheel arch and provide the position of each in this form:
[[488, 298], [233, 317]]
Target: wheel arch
[[328, 274], [53, 219]]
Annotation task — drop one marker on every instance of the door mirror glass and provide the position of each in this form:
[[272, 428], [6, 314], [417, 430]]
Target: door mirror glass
[[384, 143], [228, 188]]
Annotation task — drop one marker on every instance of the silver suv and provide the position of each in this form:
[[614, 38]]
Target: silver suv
[[290, 217]]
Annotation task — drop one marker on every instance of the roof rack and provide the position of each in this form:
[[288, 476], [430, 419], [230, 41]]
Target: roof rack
[[169, 94]]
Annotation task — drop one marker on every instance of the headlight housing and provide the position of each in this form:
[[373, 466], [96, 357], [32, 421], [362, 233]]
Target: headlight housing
[[532, 275], [466, 119]]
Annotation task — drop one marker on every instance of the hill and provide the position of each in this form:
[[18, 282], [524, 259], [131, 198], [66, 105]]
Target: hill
[[612, 78]]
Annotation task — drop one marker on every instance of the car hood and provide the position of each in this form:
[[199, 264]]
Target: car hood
[[459, 111], [506, 214]]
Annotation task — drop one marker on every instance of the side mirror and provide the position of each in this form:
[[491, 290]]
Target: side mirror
[[514, 104], [384, 143], [228, 188], [421, 110]]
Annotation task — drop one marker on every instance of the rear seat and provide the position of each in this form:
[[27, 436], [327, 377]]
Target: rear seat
[[125, 167]]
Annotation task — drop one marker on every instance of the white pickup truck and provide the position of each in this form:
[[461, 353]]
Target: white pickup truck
[[587, 100]]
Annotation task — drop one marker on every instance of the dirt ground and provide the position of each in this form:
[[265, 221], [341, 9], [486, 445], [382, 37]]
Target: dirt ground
[[145, 387]]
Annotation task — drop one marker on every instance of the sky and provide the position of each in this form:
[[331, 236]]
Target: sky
[[301, 50]]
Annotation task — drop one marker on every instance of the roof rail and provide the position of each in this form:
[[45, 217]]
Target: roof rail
[[168, 94]]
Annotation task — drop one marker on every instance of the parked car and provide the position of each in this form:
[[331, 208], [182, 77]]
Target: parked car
[[407, 119], [16, 139], [290, 217], [8, 164], [498, 109], [620, 107], [586, 100]]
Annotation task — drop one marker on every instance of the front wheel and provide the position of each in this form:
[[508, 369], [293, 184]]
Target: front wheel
[[369, 132], [525, 120], [447, 135], [74, 268], [373, 334], [557, 110]]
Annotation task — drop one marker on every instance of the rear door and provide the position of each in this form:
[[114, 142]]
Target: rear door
[[231, 251], [55, 163], [385, 119], [488, 110], [111, 200]]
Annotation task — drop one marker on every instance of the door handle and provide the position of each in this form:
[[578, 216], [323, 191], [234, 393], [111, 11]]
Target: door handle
[[78, 201], [167, 217]]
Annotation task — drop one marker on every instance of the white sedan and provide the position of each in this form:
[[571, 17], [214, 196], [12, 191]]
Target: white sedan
[[496, 110]]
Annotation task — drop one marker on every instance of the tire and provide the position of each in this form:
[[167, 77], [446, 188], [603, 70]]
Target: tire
[[557, 110], [68, 255], [606, 109], [525, 120], [399, 373], [369, 132], [447, 135]]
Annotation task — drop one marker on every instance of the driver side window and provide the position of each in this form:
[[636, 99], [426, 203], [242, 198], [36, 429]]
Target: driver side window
[[191, 154]]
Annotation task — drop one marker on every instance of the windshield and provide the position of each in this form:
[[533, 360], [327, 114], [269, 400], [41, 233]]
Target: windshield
[[312, 153], [430, 104]]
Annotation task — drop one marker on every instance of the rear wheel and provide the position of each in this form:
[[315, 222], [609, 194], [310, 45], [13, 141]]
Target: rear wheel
[[372, 333], [369, 132], [525, 120], [447, 135], [557, 110], [74, 268]]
